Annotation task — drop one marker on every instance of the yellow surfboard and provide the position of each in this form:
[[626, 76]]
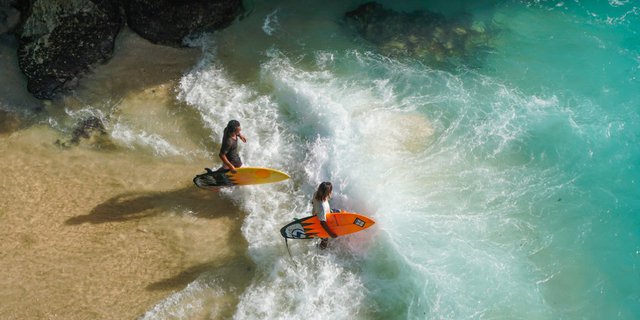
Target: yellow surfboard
[[243, 176]]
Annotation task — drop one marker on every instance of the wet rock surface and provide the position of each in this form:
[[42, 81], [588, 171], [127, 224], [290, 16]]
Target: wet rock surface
[[428, 36], [91, 130], [169, 21], [60, 40]]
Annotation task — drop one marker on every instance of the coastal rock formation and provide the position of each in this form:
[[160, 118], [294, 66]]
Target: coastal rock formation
[[425, 35], [90, 129], [169, 21], [59, 40]]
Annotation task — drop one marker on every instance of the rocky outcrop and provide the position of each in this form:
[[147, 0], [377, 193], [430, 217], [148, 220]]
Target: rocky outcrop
[[91, 130], [170, 21], [60, 40], [425, 35]]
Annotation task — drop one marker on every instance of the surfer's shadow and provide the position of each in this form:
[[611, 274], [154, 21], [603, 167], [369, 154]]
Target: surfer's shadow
[[141, 205], [236, 272]]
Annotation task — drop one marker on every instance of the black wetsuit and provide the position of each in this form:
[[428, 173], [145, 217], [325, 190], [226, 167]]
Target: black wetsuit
[[230, 149]]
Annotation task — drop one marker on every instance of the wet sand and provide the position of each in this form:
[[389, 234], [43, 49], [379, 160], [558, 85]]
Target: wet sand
[[90, 233], [106, 235]]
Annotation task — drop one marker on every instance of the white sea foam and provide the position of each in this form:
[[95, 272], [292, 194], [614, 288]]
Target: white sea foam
[[455, 168], [133, 138], [431, 205], [123, 133], [190, 302], [618, 3], [358, 133], [271, 23]]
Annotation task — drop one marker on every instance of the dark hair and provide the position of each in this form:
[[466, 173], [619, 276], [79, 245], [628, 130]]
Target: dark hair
[[231, 128], [324, 190]]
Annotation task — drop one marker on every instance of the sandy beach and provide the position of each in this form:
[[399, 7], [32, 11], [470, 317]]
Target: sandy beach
[[106, 235]]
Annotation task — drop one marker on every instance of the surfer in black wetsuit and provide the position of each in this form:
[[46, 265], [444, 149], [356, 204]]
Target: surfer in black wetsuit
[[229, 149]]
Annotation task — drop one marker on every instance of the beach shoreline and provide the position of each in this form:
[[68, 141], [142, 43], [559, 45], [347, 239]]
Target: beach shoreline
[[83, 239], [108, 229]]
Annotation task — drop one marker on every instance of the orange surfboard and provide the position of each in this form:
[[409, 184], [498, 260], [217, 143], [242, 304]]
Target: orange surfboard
[[341, 223]]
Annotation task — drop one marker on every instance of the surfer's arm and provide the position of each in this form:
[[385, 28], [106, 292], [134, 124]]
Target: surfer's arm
[[326, 228], [242, 138], [226, 161]]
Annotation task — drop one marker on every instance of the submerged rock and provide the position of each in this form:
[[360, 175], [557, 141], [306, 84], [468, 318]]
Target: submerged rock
[[90, 129], [59, 40], [426, 35], [170, 21]]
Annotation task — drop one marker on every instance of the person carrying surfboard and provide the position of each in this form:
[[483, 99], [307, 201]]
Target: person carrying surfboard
[[229, 149], [320, 208]]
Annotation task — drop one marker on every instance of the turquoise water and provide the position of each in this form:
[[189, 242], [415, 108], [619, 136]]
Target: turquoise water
[[519, 200], [506, 188]]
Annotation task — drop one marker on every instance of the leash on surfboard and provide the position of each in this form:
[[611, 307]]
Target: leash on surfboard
[[286, 243]]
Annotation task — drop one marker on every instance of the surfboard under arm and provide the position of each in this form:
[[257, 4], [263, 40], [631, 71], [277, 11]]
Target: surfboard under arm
[[243, 176], [341, 223]]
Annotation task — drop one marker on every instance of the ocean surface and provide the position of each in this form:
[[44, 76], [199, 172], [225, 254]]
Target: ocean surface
[[503, 188]]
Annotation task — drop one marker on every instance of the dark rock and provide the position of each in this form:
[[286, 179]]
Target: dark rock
[[90, 129], [170, 21], [426, 35], [61, 39], [86, 128]]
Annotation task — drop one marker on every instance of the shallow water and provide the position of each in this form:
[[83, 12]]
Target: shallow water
[[502, 188]]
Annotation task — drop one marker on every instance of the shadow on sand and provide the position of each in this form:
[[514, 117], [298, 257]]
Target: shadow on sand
[[139, 205], [231, 273], [227, 279], [236, 272]]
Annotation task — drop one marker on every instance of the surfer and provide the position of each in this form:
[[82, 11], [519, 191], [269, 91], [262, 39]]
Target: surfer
[[320, 202], [229, 149]]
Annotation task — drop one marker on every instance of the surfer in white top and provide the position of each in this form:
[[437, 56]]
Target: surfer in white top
[[320, 202]]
